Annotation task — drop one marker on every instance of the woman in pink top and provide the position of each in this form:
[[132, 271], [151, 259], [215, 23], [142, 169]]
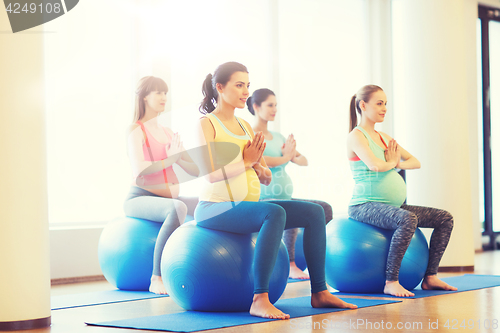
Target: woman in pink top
[[153, 150]]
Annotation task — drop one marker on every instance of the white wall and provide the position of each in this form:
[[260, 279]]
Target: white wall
[[437, 111], [323, 47]]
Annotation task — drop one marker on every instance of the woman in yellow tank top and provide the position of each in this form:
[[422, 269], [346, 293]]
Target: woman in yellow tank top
[[230, 203]]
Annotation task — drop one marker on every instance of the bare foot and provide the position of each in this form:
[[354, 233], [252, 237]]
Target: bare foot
[[395, 289], [297, 273], [324, 299], [431, 282], [157, 286], [262, 307]]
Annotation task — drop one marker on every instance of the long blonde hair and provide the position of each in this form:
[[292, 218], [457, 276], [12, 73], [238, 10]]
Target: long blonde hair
[[363, 94], [146, 85]]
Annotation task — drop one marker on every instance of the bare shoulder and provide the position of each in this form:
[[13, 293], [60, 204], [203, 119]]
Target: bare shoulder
[[356, 136], [130, 129], [207, 127]]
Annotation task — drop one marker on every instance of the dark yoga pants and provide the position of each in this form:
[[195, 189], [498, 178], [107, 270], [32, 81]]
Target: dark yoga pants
[[404, 221]]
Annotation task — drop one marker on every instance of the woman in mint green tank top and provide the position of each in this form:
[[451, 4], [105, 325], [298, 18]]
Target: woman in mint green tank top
[[278, 153], [380, 192]]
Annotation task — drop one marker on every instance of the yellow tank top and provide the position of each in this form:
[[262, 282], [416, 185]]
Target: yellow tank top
[[243, 187]]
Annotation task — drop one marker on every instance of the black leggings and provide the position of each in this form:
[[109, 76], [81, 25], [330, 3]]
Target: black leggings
[[404, 221]]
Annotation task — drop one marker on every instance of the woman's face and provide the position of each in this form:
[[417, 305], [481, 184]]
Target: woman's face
[[235, 92], [267, 109], [376, 108], [156, 100]]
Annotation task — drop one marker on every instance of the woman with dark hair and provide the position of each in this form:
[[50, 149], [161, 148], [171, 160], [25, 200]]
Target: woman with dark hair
[[380, 192], [229, 201], [153, 150], [278, 153]]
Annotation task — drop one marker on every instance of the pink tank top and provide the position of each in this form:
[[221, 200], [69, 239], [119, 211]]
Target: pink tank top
[[155, 151]]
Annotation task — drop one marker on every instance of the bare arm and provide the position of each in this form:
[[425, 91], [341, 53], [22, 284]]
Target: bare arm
[[265, 175], [206, 135], [358, 144], [184, 160], [141, 167], [299, 159], [407, 161]]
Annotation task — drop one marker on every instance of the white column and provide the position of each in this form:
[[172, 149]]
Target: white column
[[24, 232], [436, 103]]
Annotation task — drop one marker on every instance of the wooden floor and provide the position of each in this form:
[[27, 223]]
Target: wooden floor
[[474, 307]]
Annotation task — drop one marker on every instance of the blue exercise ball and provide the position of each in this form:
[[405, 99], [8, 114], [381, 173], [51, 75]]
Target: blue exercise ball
[[210, 270], [356, 257], [300, 259], [125, 252]]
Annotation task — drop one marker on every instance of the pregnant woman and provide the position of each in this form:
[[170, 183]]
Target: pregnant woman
[[380, 192]]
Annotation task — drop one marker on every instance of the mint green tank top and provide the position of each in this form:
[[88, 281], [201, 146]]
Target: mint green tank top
[[371, 186], [281, 186]]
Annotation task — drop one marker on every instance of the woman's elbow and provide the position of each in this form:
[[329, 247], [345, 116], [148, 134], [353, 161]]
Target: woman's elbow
[[195, 172]]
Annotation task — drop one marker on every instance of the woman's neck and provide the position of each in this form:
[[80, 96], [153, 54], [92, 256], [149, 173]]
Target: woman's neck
[[224, 111], [150, 117], [261, 126], [367, 125]]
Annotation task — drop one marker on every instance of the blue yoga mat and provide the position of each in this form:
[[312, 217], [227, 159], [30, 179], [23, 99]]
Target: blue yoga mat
[[290, 280], [190, 321], [465, 282], [99, 297]]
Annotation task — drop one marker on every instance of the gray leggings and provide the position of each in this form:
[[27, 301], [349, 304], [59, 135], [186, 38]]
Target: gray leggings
[[404, 221], [146, 205], [290, 235]]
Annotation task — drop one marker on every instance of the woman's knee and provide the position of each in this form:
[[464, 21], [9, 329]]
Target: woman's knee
[[447, 219], [276, 215], [409, 220], [181, 209]]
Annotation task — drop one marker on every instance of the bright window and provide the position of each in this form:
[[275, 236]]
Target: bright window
[[312, 53]]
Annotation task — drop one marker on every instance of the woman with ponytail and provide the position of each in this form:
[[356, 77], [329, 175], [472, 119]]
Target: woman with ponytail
[[153, 150], [230, 199], [278, 153], [380, 192]]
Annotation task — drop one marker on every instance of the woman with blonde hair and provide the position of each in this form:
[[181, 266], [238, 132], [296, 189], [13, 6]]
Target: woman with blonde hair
[[153, 150]]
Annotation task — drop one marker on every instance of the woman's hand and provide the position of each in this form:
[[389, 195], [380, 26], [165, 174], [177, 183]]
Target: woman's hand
[[288, 148], [175, 148], [392, 153], [253, 150]]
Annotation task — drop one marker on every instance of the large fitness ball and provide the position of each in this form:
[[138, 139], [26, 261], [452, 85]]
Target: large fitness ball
[[126, 249], [356, 257], [210, 270], [300, 259]]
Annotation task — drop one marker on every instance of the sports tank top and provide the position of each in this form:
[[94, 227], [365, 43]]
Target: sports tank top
[[242, 187], [371, 186], [281, 186], [155, 151]]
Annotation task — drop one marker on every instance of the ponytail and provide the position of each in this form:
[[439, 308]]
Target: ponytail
[[221, 75], [353, 119], [209, 95], [363, 94]]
